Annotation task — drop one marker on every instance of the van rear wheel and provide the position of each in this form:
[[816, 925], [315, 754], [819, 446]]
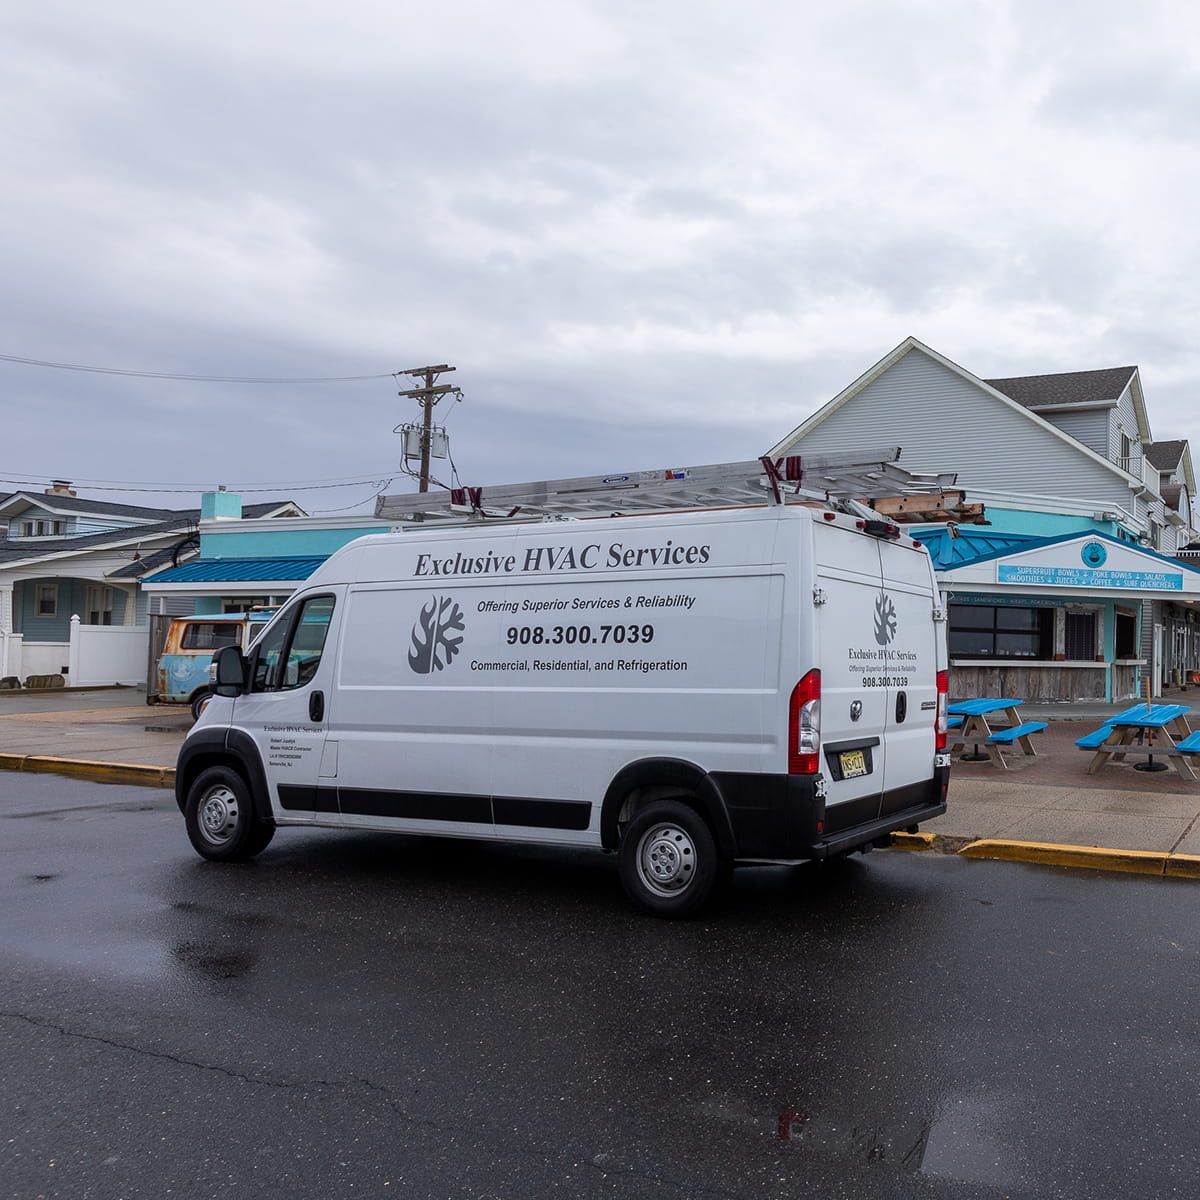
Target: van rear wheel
[[220, 819], [669, 862]]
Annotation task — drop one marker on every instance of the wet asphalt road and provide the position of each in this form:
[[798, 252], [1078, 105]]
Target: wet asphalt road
[[360, 1015]]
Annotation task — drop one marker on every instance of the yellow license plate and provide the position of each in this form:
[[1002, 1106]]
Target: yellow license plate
[[854, 762]]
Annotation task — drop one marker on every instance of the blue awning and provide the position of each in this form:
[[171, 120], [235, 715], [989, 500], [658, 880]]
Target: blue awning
[[239, 570]]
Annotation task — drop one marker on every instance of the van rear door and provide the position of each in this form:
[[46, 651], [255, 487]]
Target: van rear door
[[854, 697], [908, 597]]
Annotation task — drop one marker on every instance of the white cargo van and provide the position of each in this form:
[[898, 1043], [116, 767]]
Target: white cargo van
[[692, 690]]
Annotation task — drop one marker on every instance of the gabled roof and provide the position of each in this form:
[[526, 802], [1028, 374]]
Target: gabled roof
[[1165, 456], [57, 502], [911, 344], [184, 546], [1067, 387], [32, 549], [1079, 535], [17, 549]]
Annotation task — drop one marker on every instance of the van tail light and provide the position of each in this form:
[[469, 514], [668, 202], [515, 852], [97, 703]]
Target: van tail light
[[943, 688], [804, 726]]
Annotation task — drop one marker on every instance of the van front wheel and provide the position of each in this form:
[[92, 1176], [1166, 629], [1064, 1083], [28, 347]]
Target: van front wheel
[[220, 819], [669, 862]]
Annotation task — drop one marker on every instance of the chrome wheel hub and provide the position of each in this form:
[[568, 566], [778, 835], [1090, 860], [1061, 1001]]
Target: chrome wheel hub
[[666, 859], [218, 815]]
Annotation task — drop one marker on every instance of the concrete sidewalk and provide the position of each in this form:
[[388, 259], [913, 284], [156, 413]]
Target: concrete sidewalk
[[125, 743], [1147, 822]]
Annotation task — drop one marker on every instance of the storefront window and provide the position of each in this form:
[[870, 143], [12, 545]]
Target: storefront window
[[1080, 636], [987, 631], [1126, 635]]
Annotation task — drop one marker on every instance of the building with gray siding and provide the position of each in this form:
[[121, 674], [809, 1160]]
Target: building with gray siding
[[1093, 589]]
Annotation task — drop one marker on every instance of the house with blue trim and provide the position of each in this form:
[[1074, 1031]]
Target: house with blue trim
[[1085, 582], [245, 561], [65, 556]]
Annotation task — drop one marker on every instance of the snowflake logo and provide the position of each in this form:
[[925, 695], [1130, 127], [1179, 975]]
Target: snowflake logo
[[432, 644], [885, 619]]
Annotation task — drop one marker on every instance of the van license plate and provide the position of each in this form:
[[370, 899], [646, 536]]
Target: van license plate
[[854, 762]]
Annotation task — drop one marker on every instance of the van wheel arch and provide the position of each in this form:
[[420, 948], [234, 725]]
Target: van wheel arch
[[221, 822], [223, 748], [651, 780]]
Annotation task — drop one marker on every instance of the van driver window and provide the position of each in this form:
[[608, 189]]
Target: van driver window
[[277, 669]]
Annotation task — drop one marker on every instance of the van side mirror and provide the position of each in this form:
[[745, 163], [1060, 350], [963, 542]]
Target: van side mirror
[[229, 671]]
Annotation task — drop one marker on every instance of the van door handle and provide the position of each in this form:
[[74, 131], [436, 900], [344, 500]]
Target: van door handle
[[316, 706], [901, 707]]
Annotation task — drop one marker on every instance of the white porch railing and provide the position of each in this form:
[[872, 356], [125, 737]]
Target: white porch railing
[[1139, 466]]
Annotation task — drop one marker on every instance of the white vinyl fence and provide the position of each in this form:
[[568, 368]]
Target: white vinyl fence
[[107, 654]]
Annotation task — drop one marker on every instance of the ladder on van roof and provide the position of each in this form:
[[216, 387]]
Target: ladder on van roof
[[836, 480]]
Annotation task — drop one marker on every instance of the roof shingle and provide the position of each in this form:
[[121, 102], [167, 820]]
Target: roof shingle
[[1068, 387]]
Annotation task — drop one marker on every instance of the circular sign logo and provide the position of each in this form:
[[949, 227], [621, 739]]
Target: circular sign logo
[[1094, 554]]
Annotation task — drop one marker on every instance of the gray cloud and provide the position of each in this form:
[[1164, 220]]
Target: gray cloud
[[644, 235]]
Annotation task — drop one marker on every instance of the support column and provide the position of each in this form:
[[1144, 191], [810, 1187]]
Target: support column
[[10, 643]]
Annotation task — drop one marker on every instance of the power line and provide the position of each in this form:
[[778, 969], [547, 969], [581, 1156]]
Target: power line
[[289, 487], [59, 366]]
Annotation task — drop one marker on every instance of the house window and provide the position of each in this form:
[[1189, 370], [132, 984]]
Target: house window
[[992, 631], [47, 600], [100, 601], [246, 603], [41, 528], [1080, 636]]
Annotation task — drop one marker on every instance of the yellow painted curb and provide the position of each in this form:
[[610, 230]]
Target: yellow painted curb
[[1140, 862], [913, 841], [1184, 866], [82, 768]]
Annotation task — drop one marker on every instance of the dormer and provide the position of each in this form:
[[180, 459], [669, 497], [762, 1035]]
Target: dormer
[[1177, 486], [1104, 409]]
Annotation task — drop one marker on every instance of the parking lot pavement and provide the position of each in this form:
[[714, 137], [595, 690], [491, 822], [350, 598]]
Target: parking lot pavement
[[1151, 820]]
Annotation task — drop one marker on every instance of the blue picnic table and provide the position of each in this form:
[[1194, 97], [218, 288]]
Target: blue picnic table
[[1136, 730], [977, 729]]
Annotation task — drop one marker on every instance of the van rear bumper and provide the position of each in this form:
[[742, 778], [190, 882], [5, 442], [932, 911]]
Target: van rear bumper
[[784, 817]]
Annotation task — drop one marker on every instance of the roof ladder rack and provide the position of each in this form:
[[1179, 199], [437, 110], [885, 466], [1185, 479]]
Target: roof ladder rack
[[833, 479]]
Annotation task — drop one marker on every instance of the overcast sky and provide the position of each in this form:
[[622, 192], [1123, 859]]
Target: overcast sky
[[646, 232]]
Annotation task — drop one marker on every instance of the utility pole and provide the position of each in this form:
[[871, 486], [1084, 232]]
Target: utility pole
[[427, 397]]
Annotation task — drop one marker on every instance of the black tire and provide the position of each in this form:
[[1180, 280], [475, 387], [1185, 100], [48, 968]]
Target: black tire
[[669, 862], [199, 700], [220, 819]]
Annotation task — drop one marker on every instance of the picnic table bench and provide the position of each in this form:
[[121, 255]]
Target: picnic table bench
[[1133, 732], [976, 728]]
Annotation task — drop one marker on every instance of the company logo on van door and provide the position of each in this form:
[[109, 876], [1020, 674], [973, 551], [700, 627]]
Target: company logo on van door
[[885, 667], [885, 619], [546, 559], [433, 645]]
